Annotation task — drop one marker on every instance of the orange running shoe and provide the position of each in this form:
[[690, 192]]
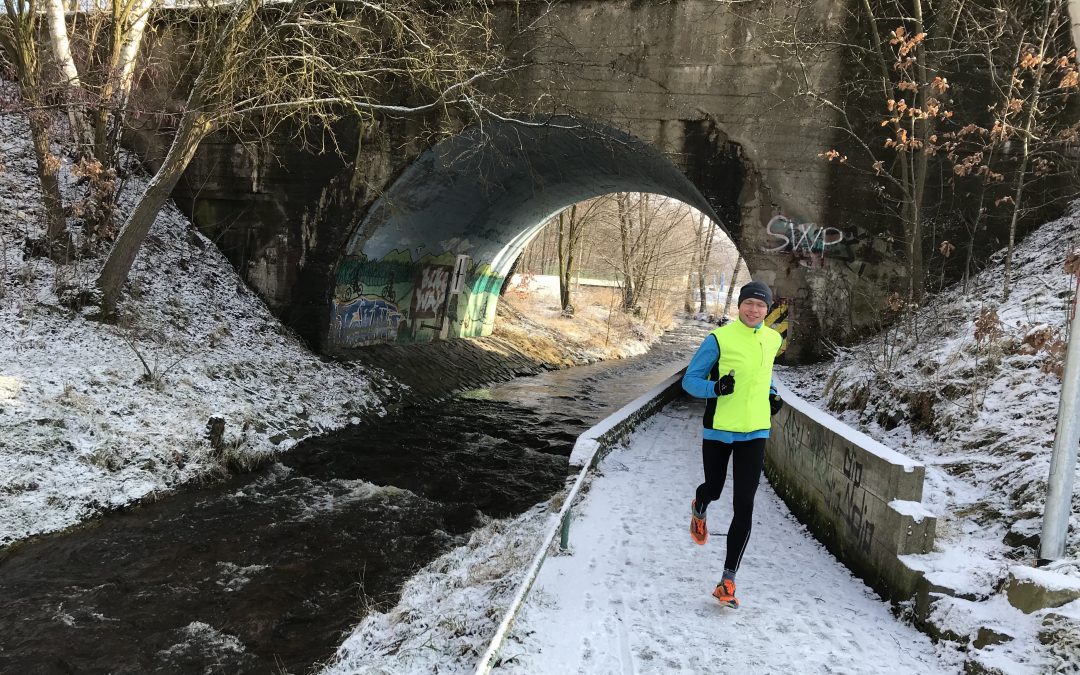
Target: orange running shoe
[[725, 593], [698, 532]]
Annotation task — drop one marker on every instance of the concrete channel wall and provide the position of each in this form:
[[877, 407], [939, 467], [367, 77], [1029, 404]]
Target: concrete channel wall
[[860, 498]]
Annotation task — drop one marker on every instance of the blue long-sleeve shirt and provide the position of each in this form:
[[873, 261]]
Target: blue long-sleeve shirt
[[696, 383]]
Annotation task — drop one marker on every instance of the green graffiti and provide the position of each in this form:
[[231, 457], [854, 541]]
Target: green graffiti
[[432, 297], [360, 277]]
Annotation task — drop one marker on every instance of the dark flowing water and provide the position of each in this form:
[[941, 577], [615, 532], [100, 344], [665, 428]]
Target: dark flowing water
[[267, 571]]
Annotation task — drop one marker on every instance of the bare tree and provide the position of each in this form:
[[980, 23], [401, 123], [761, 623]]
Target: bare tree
[[1028, 137], [647, 228], [630, 247], [706, 234], [688, 306], [18, 40], [569, 237], [1041, 100], [127, 25], [572, 227], [731, 286], [302, 62], [98, 151]]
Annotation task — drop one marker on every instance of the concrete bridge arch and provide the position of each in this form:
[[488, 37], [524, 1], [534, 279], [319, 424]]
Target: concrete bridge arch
[[430, 256], [679, 80]]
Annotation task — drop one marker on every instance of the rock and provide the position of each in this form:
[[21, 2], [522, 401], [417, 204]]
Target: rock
[[1060, 632], [973, 666], [1057, 628], [1030, 589], [215, 430], [989, 636]]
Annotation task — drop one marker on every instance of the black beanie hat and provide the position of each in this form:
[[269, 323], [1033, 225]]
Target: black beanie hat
[[755, 289]]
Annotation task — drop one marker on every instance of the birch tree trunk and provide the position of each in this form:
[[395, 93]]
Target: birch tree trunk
[[130, 22], [72, 85]]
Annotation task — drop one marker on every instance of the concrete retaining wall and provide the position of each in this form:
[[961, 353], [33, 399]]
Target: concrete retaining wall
[[859, 497]]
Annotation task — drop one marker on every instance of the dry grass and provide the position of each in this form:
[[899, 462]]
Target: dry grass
[[598, 330]]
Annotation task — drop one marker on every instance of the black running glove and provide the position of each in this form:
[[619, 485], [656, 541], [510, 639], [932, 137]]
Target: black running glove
[[775, 402], [726, 384]]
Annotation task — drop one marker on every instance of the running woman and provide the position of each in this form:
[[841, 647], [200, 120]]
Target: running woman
[[732, 371]]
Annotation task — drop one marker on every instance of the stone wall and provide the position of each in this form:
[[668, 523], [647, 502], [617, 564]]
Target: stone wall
[[860, 498]]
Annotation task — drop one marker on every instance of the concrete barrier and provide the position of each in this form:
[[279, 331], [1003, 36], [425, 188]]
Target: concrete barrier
[[862, 499], [589, 449]]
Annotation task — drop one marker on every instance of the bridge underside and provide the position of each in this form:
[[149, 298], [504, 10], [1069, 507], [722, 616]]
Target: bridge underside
[[431, 256]]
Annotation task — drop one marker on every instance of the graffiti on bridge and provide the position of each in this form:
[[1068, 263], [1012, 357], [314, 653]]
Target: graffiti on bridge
[[366, 321], [401, 299], [360, 277], [432, 287], [809, 243]]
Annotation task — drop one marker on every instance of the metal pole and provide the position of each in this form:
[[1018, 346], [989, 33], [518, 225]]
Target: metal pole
[[1063, 462]]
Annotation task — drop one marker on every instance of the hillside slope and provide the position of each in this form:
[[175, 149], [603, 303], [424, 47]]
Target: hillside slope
[[85, 424], [969, 385]]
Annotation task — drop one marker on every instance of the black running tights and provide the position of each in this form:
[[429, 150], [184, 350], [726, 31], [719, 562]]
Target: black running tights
[[746, 474]]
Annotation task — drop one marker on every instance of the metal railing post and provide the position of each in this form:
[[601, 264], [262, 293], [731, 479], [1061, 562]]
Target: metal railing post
[[1059, 489]]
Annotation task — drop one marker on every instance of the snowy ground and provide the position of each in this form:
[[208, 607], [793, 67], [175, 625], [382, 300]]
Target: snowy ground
[[84, 426], [633, 593], [981, 414]]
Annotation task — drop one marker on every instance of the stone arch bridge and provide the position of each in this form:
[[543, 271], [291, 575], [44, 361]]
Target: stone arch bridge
[[663, 97]]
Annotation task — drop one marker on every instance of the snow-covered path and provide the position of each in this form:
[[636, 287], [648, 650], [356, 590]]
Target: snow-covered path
[[634, 594]]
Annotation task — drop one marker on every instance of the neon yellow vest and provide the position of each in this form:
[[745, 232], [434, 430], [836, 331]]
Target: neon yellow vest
[[750, 353]]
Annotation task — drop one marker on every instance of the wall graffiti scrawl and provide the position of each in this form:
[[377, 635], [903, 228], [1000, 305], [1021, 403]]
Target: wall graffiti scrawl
[[809, 243], [407, 296], [432, 287]]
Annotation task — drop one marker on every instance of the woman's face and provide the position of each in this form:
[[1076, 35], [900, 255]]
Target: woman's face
[[752, 311]]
